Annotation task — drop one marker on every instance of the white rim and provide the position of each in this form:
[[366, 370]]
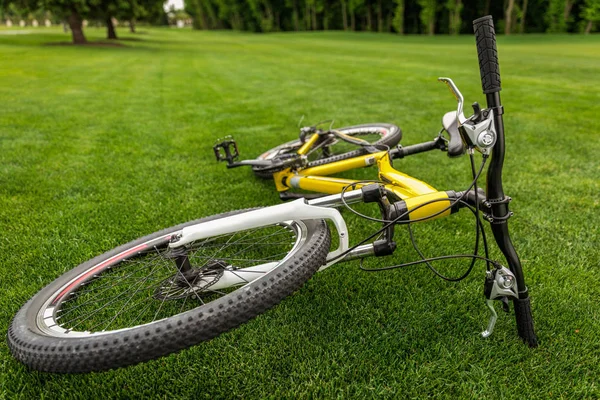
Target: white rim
[[47, 315]]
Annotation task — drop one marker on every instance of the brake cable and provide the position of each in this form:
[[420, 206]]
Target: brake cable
[[475, 210]]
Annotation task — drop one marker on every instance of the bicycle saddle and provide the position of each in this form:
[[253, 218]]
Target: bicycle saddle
[[455, 144]]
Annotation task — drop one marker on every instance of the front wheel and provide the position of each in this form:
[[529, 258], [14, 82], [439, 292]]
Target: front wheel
[[144, 300]]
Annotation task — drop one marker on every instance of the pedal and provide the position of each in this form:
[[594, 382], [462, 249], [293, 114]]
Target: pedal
[[226, 150], [500, 284]]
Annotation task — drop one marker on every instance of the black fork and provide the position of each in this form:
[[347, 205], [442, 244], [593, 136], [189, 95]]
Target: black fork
[[497, 202]]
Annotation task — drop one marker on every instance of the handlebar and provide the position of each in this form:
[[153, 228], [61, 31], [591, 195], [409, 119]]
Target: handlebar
[[485, 36], [490, 83], [403, 151]]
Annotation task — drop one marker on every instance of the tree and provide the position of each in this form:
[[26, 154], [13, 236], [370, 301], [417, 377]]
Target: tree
[[106, 10], [379, 11], [590, 13], [71, 10], [508, 16], [558, 15], [134, 10], [293, 4], [15, 10], [398, 20], [427, 15], [204, 14], [454, 20], [353, 7], [262, 10], [310, 15], [523, 16], [231, 13], [344, 5]]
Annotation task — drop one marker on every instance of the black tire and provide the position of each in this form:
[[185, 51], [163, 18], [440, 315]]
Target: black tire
[[380, 135], [30, 342]]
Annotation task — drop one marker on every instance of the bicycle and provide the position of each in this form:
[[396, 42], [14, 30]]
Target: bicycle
[[177, 287]]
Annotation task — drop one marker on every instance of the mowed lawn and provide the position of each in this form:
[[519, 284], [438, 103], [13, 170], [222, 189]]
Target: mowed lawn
[[100, 145]]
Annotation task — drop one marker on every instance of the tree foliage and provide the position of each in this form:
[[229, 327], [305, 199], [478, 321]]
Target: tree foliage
[[400, 16], [398, 21], [73, 12], [590, 14]]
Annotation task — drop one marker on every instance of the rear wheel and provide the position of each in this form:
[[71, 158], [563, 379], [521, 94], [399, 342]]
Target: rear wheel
[[144, 300], [333, 149]]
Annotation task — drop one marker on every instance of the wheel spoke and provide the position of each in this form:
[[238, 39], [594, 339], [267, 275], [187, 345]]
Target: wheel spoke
[[148, 286]]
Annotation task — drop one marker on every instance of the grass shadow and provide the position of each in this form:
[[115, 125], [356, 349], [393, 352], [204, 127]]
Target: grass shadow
[[88, 44]]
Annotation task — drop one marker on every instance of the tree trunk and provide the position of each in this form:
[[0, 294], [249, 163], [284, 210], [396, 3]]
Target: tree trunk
[[486, 9], [314, 17], [295, 16], [111, 34], [431, 26], [379, 17], [508, 17], [203, 18], [369, 19], [238, 22], [268, 18], [307, 16], [459, 7], [523, 16], [132, 25], [567, 12], [454, 19], [398, 20], [212, 22], [588, 27], [352, 21], [199, 21], [344, 15], [76, 25], [325, 19]]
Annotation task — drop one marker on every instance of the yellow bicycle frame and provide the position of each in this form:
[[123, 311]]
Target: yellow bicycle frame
[[412, 191]]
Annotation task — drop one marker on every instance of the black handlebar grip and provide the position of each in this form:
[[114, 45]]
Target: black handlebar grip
[[485, 35]]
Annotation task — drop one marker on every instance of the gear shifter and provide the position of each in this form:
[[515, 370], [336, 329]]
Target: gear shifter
[[499, 283]]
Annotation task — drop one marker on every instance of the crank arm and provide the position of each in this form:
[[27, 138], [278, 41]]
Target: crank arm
[[254, 163]]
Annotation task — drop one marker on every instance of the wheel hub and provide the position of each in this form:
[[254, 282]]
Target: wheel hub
[[191, 282]]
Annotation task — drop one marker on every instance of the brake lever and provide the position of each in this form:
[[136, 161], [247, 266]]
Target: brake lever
[[459, 98], [476, 131]]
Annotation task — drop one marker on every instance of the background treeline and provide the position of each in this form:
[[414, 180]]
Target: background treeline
[[98, 12], [400, 16]]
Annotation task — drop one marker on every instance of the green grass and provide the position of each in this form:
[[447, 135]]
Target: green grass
[[100, 145]]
